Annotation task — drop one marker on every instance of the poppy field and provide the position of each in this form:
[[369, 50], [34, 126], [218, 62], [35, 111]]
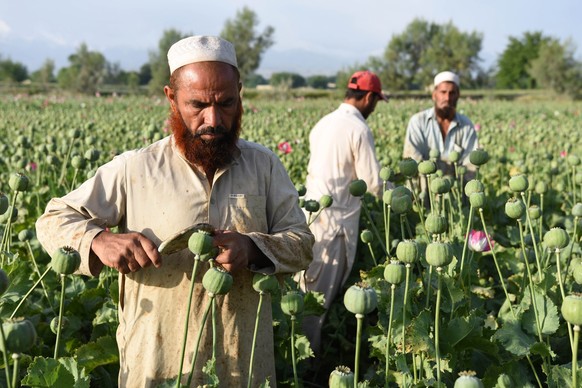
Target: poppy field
[[473, 281]]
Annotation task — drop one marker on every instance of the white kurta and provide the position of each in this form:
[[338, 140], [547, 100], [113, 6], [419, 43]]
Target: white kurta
[[156, 192], [341, 150]]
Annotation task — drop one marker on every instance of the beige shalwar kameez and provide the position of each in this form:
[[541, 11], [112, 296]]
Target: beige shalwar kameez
[[341, 150], [156, 192]]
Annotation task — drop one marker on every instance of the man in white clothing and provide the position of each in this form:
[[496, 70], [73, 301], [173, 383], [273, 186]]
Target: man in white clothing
[[341, 150]]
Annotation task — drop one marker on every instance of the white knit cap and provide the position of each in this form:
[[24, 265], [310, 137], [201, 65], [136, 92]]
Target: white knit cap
[[200, 49], [447, 76]]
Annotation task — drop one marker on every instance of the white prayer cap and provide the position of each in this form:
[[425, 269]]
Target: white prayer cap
[[447, 76], [200, 49]]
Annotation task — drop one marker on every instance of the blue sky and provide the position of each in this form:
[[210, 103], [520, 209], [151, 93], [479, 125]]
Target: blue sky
[[311, 36]]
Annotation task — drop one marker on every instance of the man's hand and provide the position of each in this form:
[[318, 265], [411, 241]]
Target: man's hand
[[127, 252], [237, 251]]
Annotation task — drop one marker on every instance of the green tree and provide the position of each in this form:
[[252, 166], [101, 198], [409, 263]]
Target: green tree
[[249, 45], [412, 58], [254, 79], [159, 69], [516, 58], [555, 68], [46, 73], [287, 80], [318, 81], [12, 71], [86, 72]]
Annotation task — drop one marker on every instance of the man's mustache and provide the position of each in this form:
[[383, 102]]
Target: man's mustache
[[220, 130]]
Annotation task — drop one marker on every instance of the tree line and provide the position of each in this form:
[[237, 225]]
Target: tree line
[[409, 62]]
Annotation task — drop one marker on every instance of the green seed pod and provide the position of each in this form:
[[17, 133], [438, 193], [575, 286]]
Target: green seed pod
[[211, 254], [477, 199], [438, 254], [401, 205], [434, 153], [578, 274], [55, 324], [65, 260], [301, 189], [408, 167], [504, 381], [573, 160], [407, 251], [4, 281], [75, 133], [514, 208], [18, 182], [386, 174], [200, 242], [387, 197], [401, 191], [360, 299], [478, 157], [358, 187], [394, 272], [92, 155], [556, 238], [20, 335], [427, 167], [454, 156], [292, 303], [474, 186], [518, 183], [534, 212], [572, 309], [468, 379], [541, 187], [4, 203], [366, 236], [576, 210], [266, 284], [439, 186], [78, 162], [217, 281], [325, 201], [25, 235], [311, 205], [341, 377], [462, 170], [11, 212], [435, 223]]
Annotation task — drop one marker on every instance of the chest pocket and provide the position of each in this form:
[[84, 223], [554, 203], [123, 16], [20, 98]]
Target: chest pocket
[[248, 213]]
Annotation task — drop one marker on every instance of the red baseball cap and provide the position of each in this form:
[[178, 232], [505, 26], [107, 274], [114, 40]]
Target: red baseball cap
[[368, 81]]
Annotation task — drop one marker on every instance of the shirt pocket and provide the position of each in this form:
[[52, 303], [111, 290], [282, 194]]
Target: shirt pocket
[[248, 213]]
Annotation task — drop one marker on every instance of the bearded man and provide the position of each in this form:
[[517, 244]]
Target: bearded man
[[203, 173], [441, 127]]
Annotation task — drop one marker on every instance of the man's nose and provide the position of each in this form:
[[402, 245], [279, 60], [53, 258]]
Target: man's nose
[[212, 116]]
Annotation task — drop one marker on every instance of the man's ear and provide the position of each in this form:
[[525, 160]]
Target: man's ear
[[171, 97]]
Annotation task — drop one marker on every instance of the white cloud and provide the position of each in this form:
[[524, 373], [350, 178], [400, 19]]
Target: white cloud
[[4, 28], [53, 38]]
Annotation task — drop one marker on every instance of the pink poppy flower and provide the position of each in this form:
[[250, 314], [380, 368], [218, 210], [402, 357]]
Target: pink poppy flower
[[478, 241], [32, 166], [285, 147], [477, 127], [563, 154]]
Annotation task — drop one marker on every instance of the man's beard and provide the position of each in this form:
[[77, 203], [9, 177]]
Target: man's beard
[[210, 155], [447, 112]]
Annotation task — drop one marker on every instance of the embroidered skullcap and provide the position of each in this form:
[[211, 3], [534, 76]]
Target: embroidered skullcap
[[447, 76]]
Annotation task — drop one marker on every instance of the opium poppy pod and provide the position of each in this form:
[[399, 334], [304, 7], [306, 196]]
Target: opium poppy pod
[[556, 238], [394, 272], [514, 208], [325, 201], [473, 186], [386, 173], [468, 379], [401, 204], [438, 254], [311, 205], [577, 210], [3, 203], [407, 251], [4, 281], [427, 167], [454, 156], [292, 303], [518, 183], [358, 187], [572, 309], [18, 182], [200, 243], [408, 167], [367, 236], [217, 281], [360, 299], [478, 157], [20, 335], [341, 377], [477, 200], [65, 260], [435, 223], [265, 283]]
